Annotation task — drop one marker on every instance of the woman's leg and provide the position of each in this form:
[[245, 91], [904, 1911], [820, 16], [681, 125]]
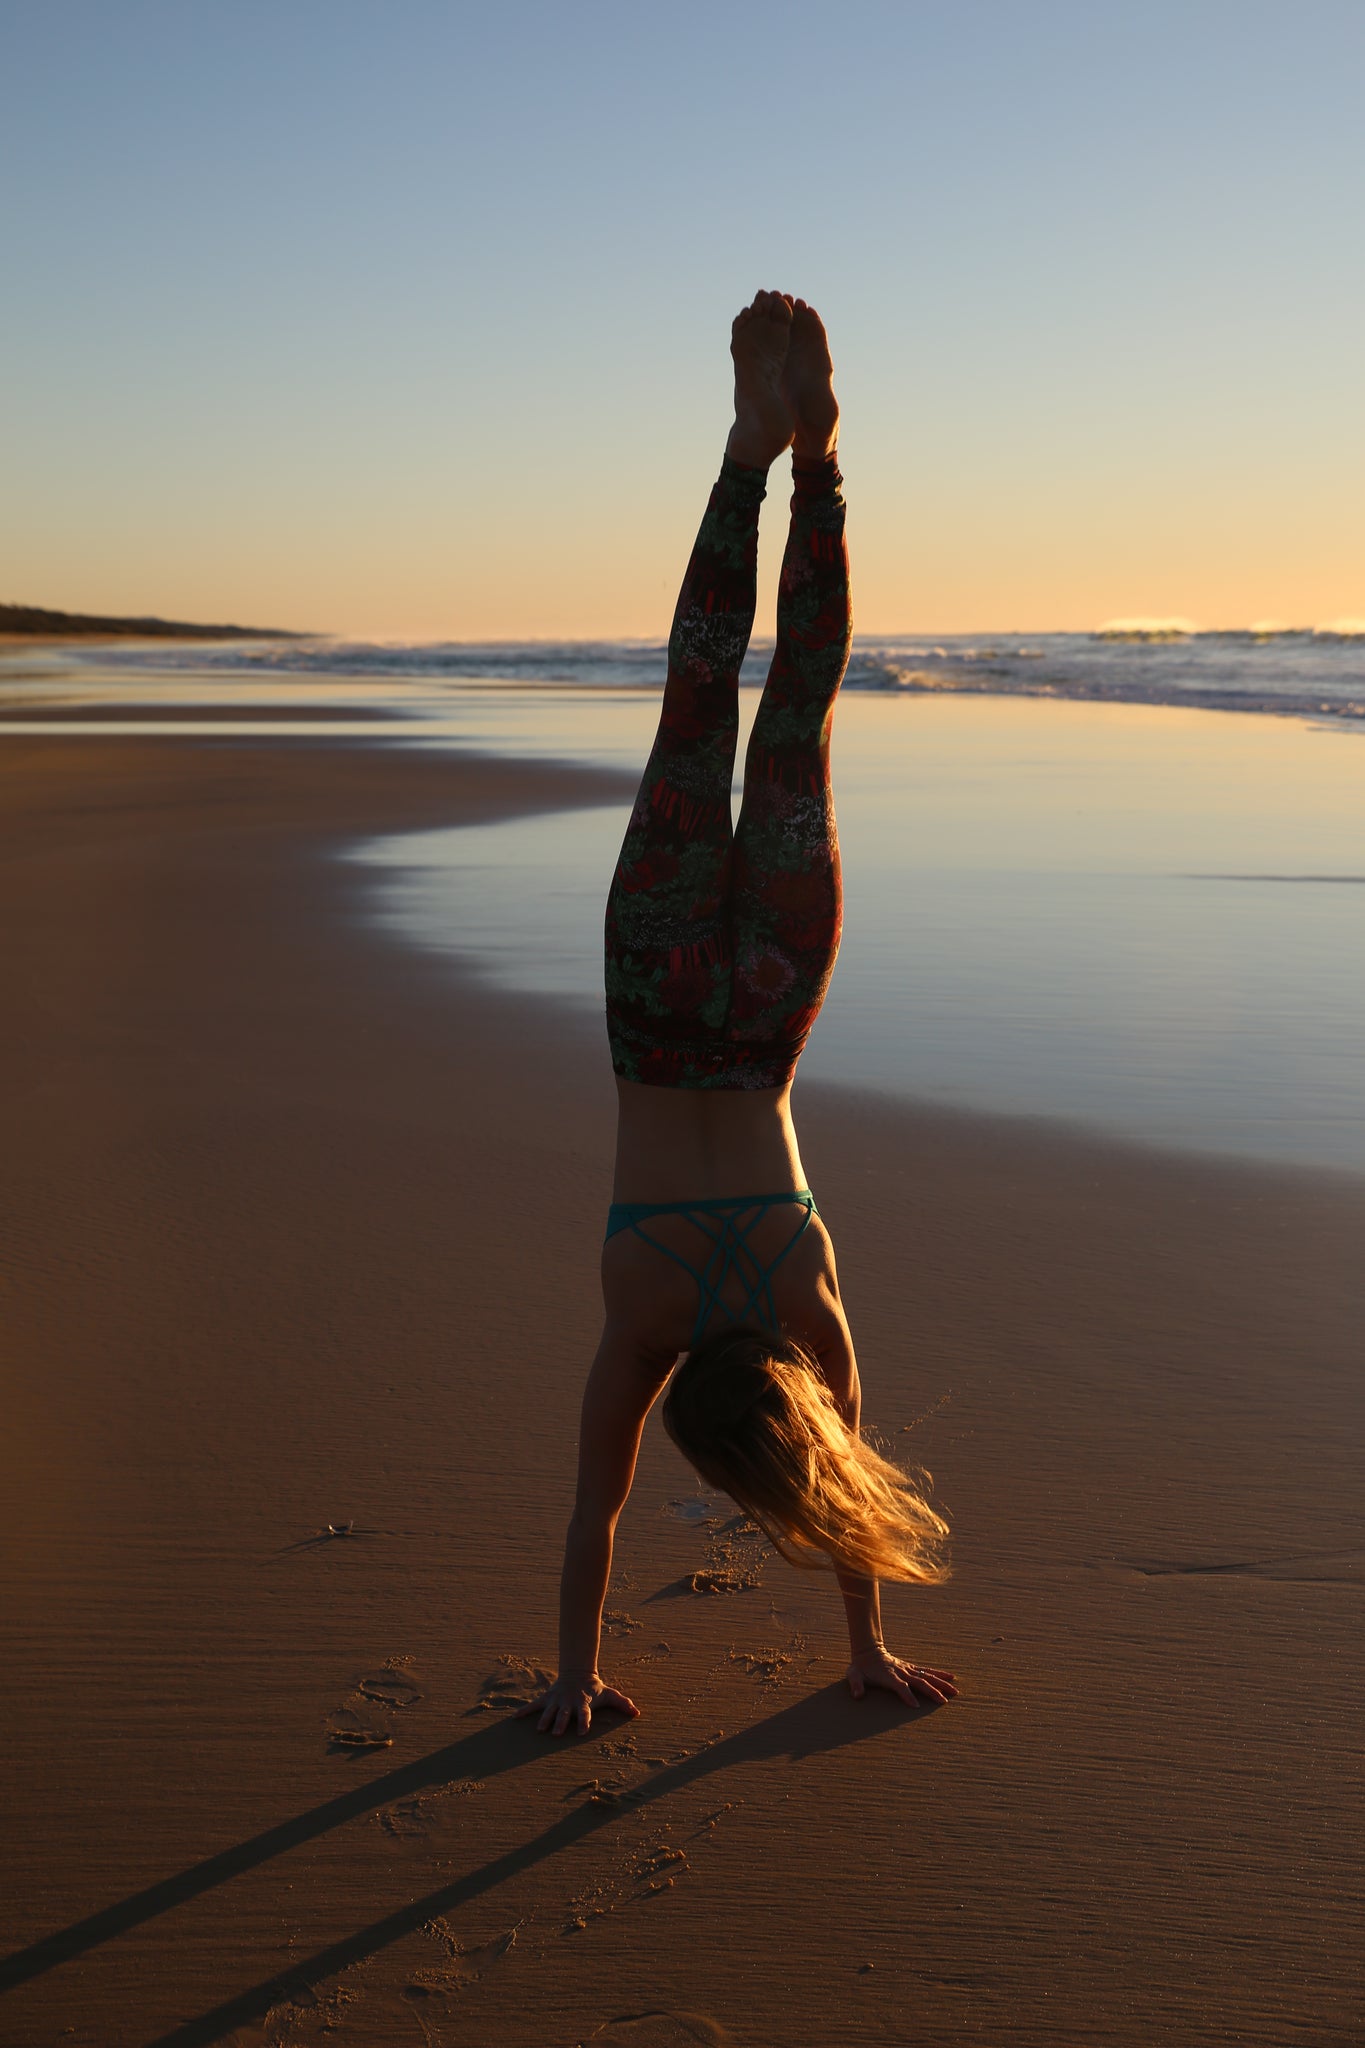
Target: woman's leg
[[668, 919], [786, 891]]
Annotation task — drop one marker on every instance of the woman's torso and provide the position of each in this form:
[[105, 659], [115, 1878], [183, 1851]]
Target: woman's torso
[[703, 1145], [699, 1144]]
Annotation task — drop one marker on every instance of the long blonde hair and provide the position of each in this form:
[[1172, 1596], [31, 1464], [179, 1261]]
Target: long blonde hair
[[755, 1418]]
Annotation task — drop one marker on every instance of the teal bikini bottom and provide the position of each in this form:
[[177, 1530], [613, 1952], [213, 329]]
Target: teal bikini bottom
[[725, 1225]]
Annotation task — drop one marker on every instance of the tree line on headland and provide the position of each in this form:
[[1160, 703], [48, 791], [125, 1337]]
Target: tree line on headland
[[31, 620]]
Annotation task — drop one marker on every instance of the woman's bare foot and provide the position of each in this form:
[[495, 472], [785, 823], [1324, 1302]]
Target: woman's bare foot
[[758, 343], [808, 386]]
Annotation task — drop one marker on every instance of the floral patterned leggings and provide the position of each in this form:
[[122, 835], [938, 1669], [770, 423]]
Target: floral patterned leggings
[[721, 943]]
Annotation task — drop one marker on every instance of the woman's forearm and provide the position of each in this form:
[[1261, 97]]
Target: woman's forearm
[[582, 1593], [863, 1606]]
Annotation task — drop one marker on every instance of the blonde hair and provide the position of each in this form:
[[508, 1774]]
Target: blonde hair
[[755, 1418]]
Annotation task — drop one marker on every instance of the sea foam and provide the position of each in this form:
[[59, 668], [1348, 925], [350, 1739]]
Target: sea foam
[[1266, 667]]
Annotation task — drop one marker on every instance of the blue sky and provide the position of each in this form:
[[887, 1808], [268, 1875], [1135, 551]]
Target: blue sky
[[411, 318]]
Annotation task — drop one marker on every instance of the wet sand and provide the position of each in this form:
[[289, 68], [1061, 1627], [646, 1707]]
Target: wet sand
[[82, 711], [300, 1229]]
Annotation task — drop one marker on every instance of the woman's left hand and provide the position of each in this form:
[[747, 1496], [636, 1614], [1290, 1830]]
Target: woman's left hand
[[910, 1682]]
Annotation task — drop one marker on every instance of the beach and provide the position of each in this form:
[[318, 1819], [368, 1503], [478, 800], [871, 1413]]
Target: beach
[[301, 1228]]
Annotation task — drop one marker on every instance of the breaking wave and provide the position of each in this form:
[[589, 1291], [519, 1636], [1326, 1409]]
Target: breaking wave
[[1265, 667]]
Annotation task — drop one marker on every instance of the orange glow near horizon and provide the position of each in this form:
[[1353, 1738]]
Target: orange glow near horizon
[[548, 568]]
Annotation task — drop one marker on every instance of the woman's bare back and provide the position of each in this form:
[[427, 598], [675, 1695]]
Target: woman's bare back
[[696, 1144], [651, 1297]]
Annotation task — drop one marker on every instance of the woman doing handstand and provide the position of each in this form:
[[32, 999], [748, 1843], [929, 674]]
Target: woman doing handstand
[[720, 947]]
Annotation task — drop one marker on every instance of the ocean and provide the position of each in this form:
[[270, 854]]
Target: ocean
[[1277, 670]]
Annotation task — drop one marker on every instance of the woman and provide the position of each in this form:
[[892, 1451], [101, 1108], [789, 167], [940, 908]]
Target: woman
[[720, 947]]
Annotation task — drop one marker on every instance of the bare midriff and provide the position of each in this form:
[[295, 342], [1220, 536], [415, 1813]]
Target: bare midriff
[[699, 1144]]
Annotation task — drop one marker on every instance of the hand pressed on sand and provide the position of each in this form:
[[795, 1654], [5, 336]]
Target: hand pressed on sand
[[570, 1703], [909, 1682]]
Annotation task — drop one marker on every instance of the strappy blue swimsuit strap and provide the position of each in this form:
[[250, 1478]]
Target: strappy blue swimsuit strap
[[725, 1223]]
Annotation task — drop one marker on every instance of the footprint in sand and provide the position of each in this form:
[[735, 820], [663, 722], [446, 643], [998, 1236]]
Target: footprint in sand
[[766, 1665], [418, 1814], [310, 2009], [514, 1683], [735, 1553], [392, 1686], [734, 1548], [769, 1662], [348, 1733], [659, 2029], [710, 1580], [613, 1791], [462, 1964], [652, 1866]]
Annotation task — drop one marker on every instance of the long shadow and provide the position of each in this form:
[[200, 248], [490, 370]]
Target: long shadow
[[494, 1749], [824, 1721]]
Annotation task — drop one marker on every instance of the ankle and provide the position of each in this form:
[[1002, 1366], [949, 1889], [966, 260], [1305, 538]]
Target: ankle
[[746, 481], [812, 448], [739, 454], [751, 448], [815, 477]]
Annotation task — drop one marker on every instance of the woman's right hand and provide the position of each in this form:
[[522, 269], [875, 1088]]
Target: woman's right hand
[[570, 1703]]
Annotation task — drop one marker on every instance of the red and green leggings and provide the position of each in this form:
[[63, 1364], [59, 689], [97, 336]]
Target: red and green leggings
[[721, 942]]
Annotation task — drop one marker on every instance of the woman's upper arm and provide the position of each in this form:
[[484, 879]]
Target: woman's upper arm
[[625, 1381], [834, 1354]]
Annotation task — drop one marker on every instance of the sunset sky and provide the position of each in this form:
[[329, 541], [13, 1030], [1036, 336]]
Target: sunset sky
[[411, 318]]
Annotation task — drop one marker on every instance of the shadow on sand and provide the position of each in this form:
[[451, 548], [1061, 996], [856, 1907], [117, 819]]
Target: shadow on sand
[[826, 1720]]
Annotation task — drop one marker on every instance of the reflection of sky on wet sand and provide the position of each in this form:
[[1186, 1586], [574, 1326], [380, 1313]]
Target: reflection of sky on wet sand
[[1151, 922], [58, 691]]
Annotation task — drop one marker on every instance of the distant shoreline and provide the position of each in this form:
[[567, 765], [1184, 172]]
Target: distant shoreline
[[31, 622]]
